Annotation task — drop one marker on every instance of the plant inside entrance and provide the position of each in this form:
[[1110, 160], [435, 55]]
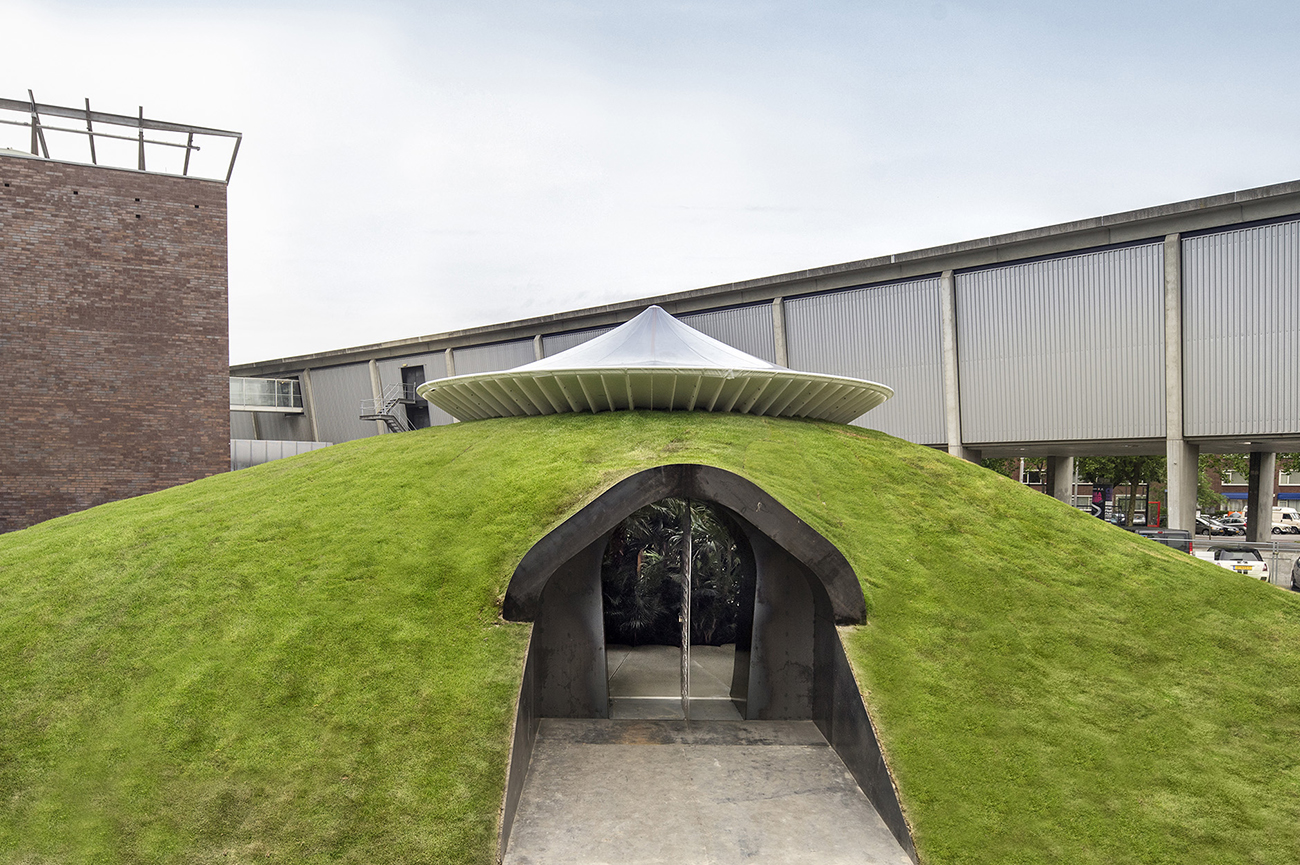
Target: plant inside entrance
[[677, 586]]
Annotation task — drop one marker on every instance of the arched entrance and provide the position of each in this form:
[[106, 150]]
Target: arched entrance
[[794, 669]]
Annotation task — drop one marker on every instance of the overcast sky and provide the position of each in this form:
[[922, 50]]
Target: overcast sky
[[411, 168]]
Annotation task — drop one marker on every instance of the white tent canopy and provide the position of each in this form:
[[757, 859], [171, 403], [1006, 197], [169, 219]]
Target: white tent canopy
[[654, 362]]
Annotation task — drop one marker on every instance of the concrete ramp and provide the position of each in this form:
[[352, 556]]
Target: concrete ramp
[[715, 792]]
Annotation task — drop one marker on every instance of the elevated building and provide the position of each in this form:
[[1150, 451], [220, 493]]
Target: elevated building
[[1168, 330]]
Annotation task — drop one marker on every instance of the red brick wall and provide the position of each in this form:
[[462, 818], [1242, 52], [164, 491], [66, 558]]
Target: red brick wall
[[114, 353]]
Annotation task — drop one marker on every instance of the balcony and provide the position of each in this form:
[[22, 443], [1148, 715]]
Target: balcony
[[279, 395]]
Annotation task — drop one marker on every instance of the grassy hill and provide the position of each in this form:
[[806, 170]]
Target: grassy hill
[[304, 661]]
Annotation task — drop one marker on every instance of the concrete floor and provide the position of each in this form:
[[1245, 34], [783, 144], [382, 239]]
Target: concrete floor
[[645, 682], [715, 792]]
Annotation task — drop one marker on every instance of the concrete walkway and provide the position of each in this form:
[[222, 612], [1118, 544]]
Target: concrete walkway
[[645, 682], [715, 792]]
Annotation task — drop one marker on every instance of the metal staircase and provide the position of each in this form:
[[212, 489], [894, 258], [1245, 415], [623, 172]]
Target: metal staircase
[[384, 409]]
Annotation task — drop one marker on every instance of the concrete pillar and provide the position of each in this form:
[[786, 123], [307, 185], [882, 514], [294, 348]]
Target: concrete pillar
[[778, 331], [1180, 456], [538, 351], [451, 362], [1259, 497], [257, 427], [951, 387], [1060, 478], [377, 390], [309, 403]]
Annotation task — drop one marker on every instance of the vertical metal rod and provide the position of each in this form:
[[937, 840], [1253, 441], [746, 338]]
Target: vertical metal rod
[[686, 612], [38, 134], [90, 133], [142, 138], [189, 143], [231, 170]]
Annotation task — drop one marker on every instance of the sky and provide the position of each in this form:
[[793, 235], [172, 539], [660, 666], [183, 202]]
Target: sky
[[413, 168]]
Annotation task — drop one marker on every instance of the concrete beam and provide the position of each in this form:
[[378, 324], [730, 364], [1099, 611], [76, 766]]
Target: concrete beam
[[951, 378], [778, 331], [1180, 456], [377, 390], [309, 403], [1259, 497]]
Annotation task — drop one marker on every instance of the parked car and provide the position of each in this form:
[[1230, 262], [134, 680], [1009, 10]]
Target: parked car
[[1211, 526], [1234, 520], [1243, 560], [1179, 539]]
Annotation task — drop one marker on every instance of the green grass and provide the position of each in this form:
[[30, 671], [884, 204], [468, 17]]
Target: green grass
[[304, 661]]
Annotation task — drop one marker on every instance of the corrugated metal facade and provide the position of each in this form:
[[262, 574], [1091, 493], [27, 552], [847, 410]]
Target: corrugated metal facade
[[282, 427], [241, 425], [435, 367], [555, 343], [886, 333], [245, 453], [489, 358], [1067, 348], [748, 328], [1241, 327], [338, 392]]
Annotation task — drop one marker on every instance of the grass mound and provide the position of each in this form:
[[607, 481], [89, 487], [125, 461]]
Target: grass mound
[[304, 661]]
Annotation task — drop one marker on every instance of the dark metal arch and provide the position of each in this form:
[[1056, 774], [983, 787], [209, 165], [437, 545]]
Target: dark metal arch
[[743, 497]]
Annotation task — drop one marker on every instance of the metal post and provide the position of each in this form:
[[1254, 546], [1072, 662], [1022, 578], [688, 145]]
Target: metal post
[[142, 138], [38, 134], [233, 154], [90, 133], [686, 612], [189, 145]]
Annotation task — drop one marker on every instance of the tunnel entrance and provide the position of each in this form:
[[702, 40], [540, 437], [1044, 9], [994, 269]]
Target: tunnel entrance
[[590, 617], [677, 590]]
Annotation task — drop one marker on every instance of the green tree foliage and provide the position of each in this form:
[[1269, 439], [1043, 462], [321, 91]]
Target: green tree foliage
[[1134, 471], [641, 576]]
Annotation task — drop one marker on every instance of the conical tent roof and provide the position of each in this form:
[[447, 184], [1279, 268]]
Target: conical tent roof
[[654, 362], [653, 338]]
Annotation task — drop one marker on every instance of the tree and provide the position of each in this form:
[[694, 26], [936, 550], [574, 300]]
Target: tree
[[641, 575], [1134, 471]]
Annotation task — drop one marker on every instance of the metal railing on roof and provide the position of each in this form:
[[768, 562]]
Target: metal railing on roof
[[117, 123]]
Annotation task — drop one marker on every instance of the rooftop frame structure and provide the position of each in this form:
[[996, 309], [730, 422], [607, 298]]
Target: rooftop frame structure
[[138, 126]]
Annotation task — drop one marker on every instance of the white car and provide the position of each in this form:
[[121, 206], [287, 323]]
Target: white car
[[1243, 560]]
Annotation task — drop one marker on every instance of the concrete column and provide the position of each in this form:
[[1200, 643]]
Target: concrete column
[[1060, 478], [951, 386], [1180, 456], [538, 351], [451, 362], [377, 390], [257, 427], [778, 331], [309, 403], [1181, 459], [1259, 497]]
